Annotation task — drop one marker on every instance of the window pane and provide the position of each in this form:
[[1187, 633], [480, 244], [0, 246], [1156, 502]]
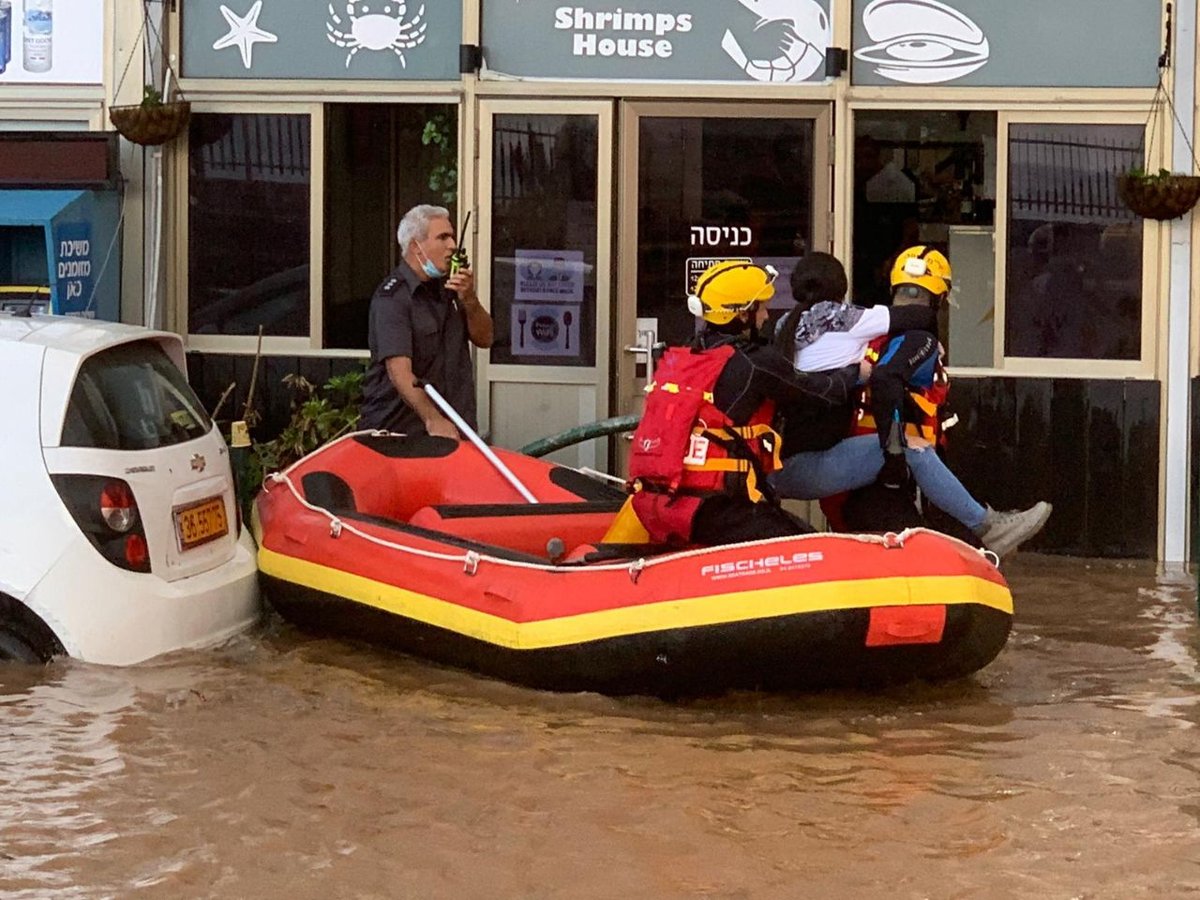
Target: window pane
[[718, 188], [380, 161], [544, 240], [1074, 255], [929, 178], [132, 398], [248, 248]]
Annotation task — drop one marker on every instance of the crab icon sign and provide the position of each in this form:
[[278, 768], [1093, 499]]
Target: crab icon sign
[[387, 29]]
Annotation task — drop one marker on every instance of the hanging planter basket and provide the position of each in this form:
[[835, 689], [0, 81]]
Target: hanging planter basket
[[1163, 196], [151, 124]]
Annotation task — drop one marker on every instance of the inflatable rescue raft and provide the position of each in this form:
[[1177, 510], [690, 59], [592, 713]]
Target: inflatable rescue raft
[[418, 544]]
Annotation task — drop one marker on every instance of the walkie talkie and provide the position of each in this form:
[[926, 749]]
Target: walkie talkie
[[459, 259]]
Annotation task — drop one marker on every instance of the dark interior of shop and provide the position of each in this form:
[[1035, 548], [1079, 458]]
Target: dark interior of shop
[[381, 159], [916, 175], [23, 256]]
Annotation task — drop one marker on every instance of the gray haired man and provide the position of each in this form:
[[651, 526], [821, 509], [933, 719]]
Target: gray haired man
[[421, 320]]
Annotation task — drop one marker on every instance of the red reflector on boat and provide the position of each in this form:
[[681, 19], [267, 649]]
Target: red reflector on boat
[[892, 625]]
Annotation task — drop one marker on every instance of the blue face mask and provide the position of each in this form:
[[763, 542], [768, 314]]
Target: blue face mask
[[428, 267]]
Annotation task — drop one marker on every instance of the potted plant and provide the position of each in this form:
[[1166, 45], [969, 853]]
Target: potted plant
[[1161, 195], [152, 121]]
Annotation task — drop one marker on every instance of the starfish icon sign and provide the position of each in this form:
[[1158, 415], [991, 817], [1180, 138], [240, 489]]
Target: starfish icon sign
[[244, 32]]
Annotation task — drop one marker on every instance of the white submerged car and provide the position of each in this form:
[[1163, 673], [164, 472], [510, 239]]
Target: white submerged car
[[120, 536]]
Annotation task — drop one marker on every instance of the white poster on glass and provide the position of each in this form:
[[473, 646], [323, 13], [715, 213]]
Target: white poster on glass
[[52, 42], [553, 276], [545, 329]]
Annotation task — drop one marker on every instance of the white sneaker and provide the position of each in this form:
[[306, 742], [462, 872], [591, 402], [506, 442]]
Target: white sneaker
[[1003, 532]]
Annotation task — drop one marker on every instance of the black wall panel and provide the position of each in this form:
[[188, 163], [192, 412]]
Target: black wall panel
[[212, 373], [1089, 447]]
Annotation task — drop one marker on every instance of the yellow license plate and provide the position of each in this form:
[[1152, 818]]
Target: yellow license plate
[[201, 522]]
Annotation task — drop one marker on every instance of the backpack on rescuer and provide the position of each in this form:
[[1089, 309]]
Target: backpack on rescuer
[[684, 447]]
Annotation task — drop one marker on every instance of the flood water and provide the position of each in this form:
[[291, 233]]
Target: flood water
[[285, 766]]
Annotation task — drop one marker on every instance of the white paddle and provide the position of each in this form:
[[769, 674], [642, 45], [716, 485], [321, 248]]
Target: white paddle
[[453, 416]]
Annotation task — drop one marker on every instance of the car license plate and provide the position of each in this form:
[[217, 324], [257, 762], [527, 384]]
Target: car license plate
[[201, 522]]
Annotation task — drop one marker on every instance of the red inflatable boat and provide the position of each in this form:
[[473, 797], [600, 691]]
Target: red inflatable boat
[[419, 544]]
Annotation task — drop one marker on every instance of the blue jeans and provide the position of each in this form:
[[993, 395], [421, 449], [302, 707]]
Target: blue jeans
[[856, 461]]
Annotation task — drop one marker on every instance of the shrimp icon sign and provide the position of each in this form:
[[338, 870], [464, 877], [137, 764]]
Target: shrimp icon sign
[[385, 29], [786, 43]]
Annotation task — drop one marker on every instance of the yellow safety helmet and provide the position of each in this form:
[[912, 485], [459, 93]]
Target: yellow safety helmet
[[922, 265], [727, 289]]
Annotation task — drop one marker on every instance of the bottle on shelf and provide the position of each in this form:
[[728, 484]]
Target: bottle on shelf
[[966, 208], [39, 35], [5, 34]]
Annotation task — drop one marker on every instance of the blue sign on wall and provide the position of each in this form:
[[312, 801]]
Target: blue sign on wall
[[73, 267]]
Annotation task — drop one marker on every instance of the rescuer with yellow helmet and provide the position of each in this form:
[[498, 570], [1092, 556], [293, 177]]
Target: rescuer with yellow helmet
[[920, 274], [705, 445], [904, 403], [727, 289], [904, 392]]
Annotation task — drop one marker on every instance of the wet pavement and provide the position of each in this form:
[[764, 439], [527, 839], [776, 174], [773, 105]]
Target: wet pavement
[[281, 765]]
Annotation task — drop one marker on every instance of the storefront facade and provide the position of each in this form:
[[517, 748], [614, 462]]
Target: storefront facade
[[609, 152]]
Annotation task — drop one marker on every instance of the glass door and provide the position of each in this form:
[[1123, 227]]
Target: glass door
[[544, 264], [706, 182]]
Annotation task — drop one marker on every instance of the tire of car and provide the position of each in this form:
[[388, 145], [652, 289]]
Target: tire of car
[[25, 638], [13, 648]]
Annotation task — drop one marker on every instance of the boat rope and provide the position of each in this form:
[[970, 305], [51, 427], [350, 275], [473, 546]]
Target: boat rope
[[471, 559]]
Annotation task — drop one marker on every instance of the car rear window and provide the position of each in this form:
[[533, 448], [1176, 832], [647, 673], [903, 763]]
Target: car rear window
[[132, 397]]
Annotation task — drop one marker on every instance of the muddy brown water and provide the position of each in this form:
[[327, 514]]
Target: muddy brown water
[[281, 765]]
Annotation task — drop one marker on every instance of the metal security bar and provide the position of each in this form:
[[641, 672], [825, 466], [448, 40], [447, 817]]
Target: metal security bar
[[1059, 179], [525, 157], [257, 147]]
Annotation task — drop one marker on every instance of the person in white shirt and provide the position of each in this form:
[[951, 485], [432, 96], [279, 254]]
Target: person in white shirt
[[826, 332]]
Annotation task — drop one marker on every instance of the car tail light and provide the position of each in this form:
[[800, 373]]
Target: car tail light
[[106, 511], [118, 507]]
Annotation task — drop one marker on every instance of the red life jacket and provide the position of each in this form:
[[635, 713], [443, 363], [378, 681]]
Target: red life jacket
[[685, 449], [921, 417]]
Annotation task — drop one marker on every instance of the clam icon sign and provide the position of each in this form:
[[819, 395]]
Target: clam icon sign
[[921, 41], [786, 44]]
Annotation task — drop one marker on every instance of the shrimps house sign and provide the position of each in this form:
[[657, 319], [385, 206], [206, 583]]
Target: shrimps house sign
[[778, 41]]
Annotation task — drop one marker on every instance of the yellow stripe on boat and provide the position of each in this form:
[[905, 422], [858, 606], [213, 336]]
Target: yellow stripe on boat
[[692, 612]]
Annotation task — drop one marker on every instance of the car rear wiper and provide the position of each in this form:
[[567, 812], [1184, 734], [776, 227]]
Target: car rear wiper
[[26, 311]]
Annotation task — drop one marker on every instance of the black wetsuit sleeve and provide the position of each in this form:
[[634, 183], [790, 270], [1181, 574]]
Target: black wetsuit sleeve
[[772, 376], [913, 318], [894, 372]]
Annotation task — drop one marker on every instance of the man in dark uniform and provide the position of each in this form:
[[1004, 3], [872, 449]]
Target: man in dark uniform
[[420, 322]]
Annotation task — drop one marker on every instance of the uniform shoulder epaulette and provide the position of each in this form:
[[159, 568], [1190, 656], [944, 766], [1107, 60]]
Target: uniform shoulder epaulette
[[389, 287]]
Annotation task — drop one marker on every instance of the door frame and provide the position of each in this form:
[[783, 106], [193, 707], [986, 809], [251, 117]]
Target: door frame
[[625, 389], [599, 375]]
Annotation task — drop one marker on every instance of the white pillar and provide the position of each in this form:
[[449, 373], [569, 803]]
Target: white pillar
[[125, 89], [1178, 384]]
